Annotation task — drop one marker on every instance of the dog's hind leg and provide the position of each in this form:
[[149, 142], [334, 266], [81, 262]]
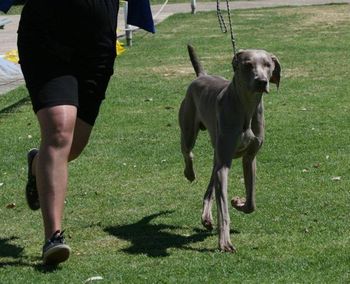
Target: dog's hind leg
[[207, 217], [189, 132]]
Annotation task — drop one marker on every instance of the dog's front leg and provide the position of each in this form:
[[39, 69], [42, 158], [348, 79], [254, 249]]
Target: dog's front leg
[[223, 213], [247, 205], [227, 141]]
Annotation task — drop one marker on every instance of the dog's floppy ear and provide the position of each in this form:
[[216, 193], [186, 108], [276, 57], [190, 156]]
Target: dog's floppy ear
[[276, 73]]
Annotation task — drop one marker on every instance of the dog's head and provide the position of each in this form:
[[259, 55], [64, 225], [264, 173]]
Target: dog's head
[[256, 69]]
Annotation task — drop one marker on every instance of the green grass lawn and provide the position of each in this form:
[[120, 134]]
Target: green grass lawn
[[131, 217]]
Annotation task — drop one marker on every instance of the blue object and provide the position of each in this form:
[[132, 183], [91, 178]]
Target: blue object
[[5, 5], [140, 15]]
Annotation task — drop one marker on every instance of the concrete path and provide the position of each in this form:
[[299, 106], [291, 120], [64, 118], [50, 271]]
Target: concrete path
[[8, 35], [209, 6]]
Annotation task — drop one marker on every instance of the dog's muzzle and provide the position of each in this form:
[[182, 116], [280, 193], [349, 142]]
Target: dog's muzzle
[[262, 85]]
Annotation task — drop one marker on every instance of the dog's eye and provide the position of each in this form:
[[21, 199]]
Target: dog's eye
[[268, 64], [248, 64]]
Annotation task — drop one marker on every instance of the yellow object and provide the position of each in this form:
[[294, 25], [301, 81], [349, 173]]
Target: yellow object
[[120, 48], [12, 56]]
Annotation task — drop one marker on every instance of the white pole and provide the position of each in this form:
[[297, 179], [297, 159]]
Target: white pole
[[128, 30], [193, 6]]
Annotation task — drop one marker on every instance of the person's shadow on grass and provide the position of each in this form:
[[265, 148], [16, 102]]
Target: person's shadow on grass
[[11, 255], [155, 239], [8, 250]]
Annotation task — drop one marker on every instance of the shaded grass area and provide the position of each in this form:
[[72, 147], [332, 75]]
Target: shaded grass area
[[130, 215]]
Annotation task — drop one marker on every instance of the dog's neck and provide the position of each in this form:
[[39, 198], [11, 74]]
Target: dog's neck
[[248, 100]]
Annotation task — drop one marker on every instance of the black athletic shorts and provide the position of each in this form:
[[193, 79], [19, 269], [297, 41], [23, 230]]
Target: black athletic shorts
[[67, 51]]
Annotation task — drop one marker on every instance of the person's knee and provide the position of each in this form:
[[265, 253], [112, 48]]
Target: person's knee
[[57, 126], [59, 139]]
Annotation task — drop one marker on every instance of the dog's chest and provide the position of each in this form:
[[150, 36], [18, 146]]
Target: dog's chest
[[245, 140]]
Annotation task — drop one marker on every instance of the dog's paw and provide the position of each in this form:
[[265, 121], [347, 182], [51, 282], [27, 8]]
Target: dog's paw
[[240, 205], [189, 174], [208, 224], [228, 247]]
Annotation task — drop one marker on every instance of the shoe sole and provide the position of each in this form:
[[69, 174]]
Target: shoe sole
[[56, 254], [30, 156]]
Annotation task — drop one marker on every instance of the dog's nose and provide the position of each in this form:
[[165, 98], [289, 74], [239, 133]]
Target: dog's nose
[[261, 85]]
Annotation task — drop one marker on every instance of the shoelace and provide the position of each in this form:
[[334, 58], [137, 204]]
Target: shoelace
[[57, 236]]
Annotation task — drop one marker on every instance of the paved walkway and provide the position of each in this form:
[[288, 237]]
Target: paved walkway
[[8, 36]]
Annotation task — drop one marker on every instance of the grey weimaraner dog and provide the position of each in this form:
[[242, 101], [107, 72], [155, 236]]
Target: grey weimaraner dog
[[233, 113]]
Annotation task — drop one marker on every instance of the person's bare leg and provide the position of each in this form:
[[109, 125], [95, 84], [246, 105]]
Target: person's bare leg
[[82, 131], [81, 137], [57, 129]]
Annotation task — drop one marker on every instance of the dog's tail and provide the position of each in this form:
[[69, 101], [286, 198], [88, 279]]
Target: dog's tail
[[198, 68]]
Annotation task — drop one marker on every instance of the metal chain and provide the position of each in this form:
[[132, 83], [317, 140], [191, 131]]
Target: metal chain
[[220, 17], [233, 40], [223, 24]]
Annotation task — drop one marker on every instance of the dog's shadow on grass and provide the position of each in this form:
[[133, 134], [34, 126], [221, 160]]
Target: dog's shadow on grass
[[154, 240]]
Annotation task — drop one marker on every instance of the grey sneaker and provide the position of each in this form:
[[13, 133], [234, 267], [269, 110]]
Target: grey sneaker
[[31, 190], [55, 250]]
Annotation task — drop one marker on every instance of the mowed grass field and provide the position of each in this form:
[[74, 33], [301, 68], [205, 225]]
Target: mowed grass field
[[131, 216]]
